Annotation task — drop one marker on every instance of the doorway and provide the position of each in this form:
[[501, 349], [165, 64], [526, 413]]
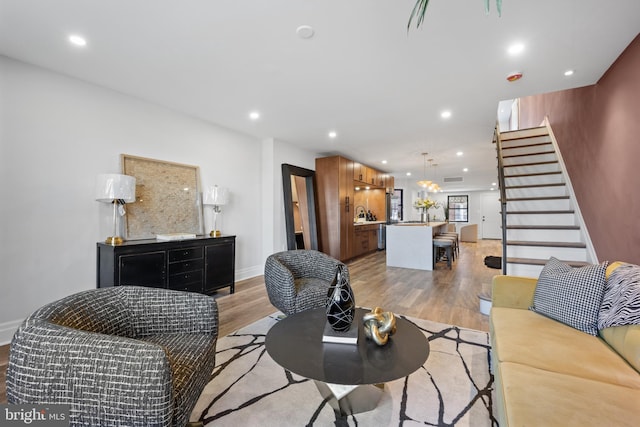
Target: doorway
[[490, 227]]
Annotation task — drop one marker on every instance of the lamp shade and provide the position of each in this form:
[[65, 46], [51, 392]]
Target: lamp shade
[[215, 195], [110, 187]]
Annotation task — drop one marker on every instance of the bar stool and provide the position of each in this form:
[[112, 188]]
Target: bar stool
[[447, 246], [454, 244]]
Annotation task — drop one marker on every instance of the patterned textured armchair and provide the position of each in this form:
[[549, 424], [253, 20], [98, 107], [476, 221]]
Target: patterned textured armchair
[[121, 356], [299, 280]]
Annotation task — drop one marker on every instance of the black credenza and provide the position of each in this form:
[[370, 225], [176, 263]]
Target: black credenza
[[204, 264]]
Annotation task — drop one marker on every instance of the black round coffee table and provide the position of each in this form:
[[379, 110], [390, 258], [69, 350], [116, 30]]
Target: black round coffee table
[[295, 343]]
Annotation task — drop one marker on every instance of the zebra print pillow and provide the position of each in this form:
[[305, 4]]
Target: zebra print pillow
[[621, 302]]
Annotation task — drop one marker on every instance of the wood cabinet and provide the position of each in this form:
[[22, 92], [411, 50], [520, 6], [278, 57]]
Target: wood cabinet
[[389, 184], [336, 210], [358, 174], [201, 265], [365, 239], [369, 176], [336, 178]]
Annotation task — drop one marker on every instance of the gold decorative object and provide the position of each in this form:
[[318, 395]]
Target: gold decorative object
[[379, 325]]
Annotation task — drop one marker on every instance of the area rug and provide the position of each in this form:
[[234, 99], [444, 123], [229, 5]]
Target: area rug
[[452, 388]]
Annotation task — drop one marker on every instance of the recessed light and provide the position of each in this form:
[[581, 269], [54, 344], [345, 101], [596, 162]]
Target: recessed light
[[384, 162], [568, 73], [254, 115], [445, 114], [332, 134], [305, 31], [408, 173], [77, 40], [493, 183], [515, 49], [459, 153], [465, 170]]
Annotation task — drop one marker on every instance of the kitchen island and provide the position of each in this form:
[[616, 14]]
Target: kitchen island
[[410, 244]]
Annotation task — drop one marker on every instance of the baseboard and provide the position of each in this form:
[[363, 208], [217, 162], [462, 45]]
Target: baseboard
[[7, 330], [248, 273]]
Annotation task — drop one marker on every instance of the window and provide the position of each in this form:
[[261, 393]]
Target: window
[[458, 208]]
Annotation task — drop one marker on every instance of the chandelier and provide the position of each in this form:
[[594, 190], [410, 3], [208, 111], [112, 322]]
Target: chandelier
[[424, 182]]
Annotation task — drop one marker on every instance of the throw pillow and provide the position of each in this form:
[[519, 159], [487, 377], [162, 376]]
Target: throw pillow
[[571, 295], [621, 302]]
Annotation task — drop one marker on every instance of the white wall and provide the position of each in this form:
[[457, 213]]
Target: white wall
[[57, 133], [274, 154]]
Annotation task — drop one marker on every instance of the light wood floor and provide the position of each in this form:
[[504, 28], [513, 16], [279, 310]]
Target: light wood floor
[[442, 295]]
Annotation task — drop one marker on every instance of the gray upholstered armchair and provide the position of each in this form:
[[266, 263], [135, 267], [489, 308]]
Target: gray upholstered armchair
[[299, 280], [119, 356]]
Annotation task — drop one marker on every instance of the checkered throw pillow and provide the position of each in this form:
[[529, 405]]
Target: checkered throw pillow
[[571, 295]]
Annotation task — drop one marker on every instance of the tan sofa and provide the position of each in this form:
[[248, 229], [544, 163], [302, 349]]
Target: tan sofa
[[549, 374]]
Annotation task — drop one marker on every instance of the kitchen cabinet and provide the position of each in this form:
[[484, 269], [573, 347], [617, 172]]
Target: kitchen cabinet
[[365, 239], [369, 176], [372, 175], [336, 179], [336, 210], [203, 264], [360, 172], [389, 183]]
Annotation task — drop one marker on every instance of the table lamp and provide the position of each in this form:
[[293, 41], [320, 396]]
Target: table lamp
[[116, 189], [215, 196]]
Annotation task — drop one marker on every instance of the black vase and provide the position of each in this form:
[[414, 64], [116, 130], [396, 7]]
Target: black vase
[[341, 304]]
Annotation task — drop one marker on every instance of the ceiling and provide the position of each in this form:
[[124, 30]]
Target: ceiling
[[380, 87]]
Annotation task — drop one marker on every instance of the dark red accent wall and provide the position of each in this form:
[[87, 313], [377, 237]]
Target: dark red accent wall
[[598, 131]]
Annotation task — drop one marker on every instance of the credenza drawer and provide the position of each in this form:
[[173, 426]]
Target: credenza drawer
[[182, 254], [185, 278], [181, 267]]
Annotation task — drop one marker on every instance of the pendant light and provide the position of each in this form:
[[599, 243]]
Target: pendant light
[[434, 188], [424, 182]]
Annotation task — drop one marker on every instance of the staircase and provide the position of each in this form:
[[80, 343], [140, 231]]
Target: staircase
[[540, 217]]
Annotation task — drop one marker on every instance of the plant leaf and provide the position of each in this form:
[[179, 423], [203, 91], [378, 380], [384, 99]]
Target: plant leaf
[[418, 12], [486, 7], [499, 7]]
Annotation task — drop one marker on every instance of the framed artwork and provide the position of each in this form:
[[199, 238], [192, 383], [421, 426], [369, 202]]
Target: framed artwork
[[167, 198]]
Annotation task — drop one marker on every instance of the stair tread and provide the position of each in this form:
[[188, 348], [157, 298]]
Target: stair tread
[[549, 244], [533, 144], [534, 261], [520, 175], [531, 164], [543, 227], [532, 132], [537, 153], [521, 199], [553, 184], [570, 211]]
